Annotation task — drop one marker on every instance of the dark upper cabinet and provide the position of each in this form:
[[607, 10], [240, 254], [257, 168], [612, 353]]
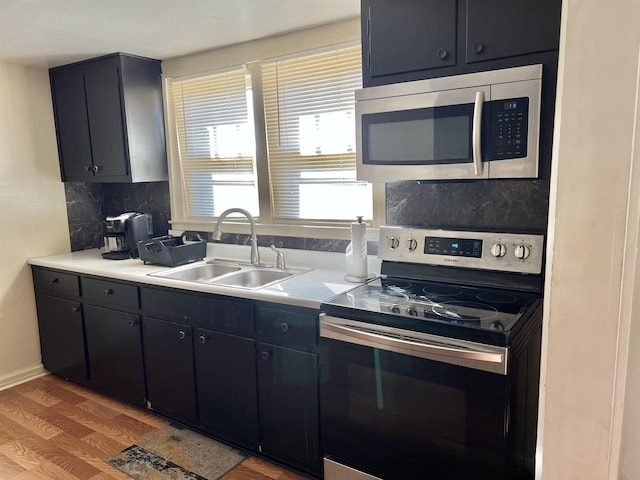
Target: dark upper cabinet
[[506, 28], [109, 120], [410, 35], [406, 40]]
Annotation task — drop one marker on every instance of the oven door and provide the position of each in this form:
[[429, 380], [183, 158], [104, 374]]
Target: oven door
[[405, 405]]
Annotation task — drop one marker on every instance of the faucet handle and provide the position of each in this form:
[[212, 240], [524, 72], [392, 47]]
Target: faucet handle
[[280, 262]]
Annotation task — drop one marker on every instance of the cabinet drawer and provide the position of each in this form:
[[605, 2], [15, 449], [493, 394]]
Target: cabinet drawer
[[56, 283], [210, 311], [288, 327], [110, 293]]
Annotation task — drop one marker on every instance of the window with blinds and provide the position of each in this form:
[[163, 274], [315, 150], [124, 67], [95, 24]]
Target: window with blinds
[[309, 110], [214, 125], [304, 171]]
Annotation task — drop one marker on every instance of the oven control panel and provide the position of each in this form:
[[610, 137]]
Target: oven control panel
[[506, 252]]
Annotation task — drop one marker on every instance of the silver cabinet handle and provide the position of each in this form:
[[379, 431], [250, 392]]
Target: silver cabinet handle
[[489, 358], [181, 334], [202, 339], [477, 133]]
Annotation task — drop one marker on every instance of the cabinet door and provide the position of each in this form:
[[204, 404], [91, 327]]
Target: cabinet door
[[106, 117], [62, 337], [168, 353], [114, 346], [288, 399], [72, 124], [226, 379], [408, 35], [505, 28]]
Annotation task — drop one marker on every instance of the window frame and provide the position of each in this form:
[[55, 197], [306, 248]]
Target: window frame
[[265, 226]]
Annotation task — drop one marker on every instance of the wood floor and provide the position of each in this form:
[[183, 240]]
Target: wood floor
[[52, 429]]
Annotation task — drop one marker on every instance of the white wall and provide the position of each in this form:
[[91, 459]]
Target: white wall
[[629, 458], [256, 50], [32, 210], [586, 315]]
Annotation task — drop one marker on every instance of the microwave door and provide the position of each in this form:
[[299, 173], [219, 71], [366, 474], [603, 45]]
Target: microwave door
[[427, 136]]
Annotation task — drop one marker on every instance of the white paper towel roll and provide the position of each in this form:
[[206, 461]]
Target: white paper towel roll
[[357, 253]]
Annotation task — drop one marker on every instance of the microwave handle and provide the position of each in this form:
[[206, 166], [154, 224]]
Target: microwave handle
[[476, 134]]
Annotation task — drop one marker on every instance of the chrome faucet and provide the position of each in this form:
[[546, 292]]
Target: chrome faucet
[[217, 232], [280, 261]]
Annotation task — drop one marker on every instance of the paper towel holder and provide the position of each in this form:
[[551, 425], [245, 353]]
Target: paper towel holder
[[359, 248]]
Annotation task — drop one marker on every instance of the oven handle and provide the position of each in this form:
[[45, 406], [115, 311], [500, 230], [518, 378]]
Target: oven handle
[[477, 129], [488, 358]]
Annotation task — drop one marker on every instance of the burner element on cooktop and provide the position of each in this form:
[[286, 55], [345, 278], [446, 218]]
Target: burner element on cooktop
[[465, 311], [384, 298], [441, 291], [497, 297]]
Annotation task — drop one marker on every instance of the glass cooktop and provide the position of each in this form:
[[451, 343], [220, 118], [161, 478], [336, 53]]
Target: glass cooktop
[[427, 306]]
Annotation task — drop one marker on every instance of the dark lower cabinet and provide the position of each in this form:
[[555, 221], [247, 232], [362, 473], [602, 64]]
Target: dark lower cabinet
[[245, 372], [61, 329], [288, 398], [114, 347], [226, 384], [168, 352]]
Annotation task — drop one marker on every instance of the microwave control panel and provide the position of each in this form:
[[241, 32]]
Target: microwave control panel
[[509, 128]]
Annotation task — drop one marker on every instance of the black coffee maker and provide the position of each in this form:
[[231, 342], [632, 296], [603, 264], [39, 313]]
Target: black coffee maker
[[123, 233]]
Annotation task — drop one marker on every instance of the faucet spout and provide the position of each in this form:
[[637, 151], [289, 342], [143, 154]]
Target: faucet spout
[[217, 232]]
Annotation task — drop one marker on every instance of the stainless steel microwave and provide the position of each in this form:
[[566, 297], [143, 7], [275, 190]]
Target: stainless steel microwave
[[472, 126]]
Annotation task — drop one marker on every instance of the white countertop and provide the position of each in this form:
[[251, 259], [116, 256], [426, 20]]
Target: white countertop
[[323, 281]]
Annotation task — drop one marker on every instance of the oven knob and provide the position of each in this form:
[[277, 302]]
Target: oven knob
[[395, 309], [393, 242], [412, 244], [522, 252], [498, 250], [412, 312]]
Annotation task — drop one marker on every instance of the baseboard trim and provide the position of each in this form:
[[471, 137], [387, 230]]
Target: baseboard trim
[[21, 376]]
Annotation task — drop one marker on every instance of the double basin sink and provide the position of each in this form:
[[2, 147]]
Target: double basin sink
[[231, 274]]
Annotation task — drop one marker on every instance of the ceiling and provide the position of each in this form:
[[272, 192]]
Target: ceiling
[[48, 33]]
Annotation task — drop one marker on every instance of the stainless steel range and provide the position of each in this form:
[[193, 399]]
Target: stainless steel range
[[432, 370]]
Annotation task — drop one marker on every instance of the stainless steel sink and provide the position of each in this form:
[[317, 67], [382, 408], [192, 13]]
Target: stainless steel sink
[[230, 274], [199, 273], [254, 278]]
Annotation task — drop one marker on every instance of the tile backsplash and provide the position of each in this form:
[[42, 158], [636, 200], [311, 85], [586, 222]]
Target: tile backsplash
[[88, 204], [499, 205]]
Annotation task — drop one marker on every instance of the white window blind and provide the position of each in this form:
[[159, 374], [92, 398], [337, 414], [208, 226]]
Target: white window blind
[[309, 111], [216, 143]]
